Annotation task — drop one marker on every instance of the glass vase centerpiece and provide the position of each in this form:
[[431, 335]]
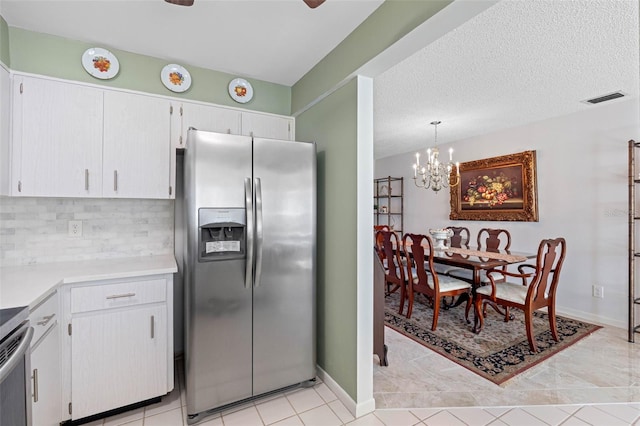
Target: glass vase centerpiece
[[440, 236]]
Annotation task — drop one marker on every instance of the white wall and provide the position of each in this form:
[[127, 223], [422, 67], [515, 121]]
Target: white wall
[[582, 170]]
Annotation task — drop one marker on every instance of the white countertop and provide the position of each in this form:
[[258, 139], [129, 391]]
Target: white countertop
[[28, 285]]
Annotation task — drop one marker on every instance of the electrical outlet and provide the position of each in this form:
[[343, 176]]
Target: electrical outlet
[[598, 291], [75, 228]]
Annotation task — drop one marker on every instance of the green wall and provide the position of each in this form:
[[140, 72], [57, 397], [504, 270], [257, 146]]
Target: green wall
[[4, 42], [59, 57], [386, 25], [332, 124]]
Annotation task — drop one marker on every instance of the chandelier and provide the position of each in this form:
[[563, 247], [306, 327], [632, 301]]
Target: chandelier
[[434, 174]]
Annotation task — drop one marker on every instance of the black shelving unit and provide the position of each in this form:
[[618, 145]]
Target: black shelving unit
[[634, 254], [388, 202]]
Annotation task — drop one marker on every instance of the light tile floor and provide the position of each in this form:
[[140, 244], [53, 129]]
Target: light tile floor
[[596, 382]]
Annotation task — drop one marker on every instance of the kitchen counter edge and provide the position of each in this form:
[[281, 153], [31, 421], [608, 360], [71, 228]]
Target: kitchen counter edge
[[30, 284]]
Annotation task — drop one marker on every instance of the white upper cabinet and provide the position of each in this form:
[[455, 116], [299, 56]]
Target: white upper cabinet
[[267, 126], [202, 117], [57, 139], [75, 140], [137, 150], [5, 134]]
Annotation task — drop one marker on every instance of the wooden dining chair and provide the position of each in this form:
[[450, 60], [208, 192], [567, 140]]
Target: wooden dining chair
[[388, 246], [461, 236], [422, 277], [535, 289], [378, 244], [494, 239], [488, 239]]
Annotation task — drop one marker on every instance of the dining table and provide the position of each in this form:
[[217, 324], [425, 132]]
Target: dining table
[[476, 259]]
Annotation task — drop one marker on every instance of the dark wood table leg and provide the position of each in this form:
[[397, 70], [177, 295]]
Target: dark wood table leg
[[384, 361], [478, 320], [462, 298]]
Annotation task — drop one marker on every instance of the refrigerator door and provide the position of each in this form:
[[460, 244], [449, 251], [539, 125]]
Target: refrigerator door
[[284, 290], [218, 301]]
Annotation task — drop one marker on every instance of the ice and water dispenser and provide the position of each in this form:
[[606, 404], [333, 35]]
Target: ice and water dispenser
[[222, 234]]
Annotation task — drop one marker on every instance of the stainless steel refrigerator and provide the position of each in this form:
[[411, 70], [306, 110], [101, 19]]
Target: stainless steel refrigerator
[[249, 267]]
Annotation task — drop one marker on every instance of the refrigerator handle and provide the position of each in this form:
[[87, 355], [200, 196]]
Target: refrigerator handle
[[248, 200], [258, 273]]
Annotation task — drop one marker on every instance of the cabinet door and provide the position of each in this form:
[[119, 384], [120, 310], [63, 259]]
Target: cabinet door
[[46, 380], [5, 142], [267, 126], [57, 139], [118, 357], [209, 118], [136, 158]]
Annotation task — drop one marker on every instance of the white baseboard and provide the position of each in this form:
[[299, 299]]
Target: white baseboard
[[586, 316], [356, 409]]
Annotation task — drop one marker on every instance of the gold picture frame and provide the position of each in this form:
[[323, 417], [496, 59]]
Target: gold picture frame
[[497, 189]]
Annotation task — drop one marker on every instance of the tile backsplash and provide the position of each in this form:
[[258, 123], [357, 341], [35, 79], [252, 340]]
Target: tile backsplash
[[35, 230]]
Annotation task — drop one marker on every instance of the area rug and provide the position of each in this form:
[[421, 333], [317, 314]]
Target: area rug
[[499, 352]]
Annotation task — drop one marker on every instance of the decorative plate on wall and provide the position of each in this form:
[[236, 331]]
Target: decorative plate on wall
[[240, 90], [100, 63], [175, 78]]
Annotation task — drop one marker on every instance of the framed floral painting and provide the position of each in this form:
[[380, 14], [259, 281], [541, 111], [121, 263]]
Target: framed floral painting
[[499, 188]]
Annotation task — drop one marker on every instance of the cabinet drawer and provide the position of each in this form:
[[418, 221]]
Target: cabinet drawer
[[44, 316], [106, 296]]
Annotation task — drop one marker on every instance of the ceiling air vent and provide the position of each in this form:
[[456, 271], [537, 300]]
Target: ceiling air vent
[[603, 98]]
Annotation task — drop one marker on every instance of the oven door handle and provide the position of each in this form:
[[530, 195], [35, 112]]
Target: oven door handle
[[17, 356]]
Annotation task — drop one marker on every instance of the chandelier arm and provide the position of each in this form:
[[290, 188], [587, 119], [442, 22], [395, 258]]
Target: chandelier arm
[[457, 181]]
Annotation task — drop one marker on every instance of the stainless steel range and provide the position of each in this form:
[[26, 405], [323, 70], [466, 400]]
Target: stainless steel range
[[15, 382]]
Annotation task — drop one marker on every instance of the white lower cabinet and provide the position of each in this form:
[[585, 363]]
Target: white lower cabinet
[[118, 358], [120, 348], [45, 376], [45, 363]]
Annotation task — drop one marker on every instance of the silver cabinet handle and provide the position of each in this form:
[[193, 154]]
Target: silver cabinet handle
[[45, 320], [153, 328], [86, 179], [35, 385], [248, 201], [119, 296], [258, 271], [115, 181]]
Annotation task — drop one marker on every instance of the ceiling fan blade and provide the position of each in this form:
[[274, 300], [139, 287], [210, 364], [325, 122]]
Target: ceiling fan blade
[[181, 2], [313, 3]]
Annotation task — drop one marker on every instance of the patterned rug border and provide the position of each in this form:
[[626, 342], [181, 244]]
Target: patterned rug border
[[488, 367]]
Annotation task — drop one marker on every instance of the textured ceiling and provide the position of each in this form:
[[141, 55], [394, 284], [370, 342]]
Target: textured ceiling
[[515, 63], [273, 40]]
